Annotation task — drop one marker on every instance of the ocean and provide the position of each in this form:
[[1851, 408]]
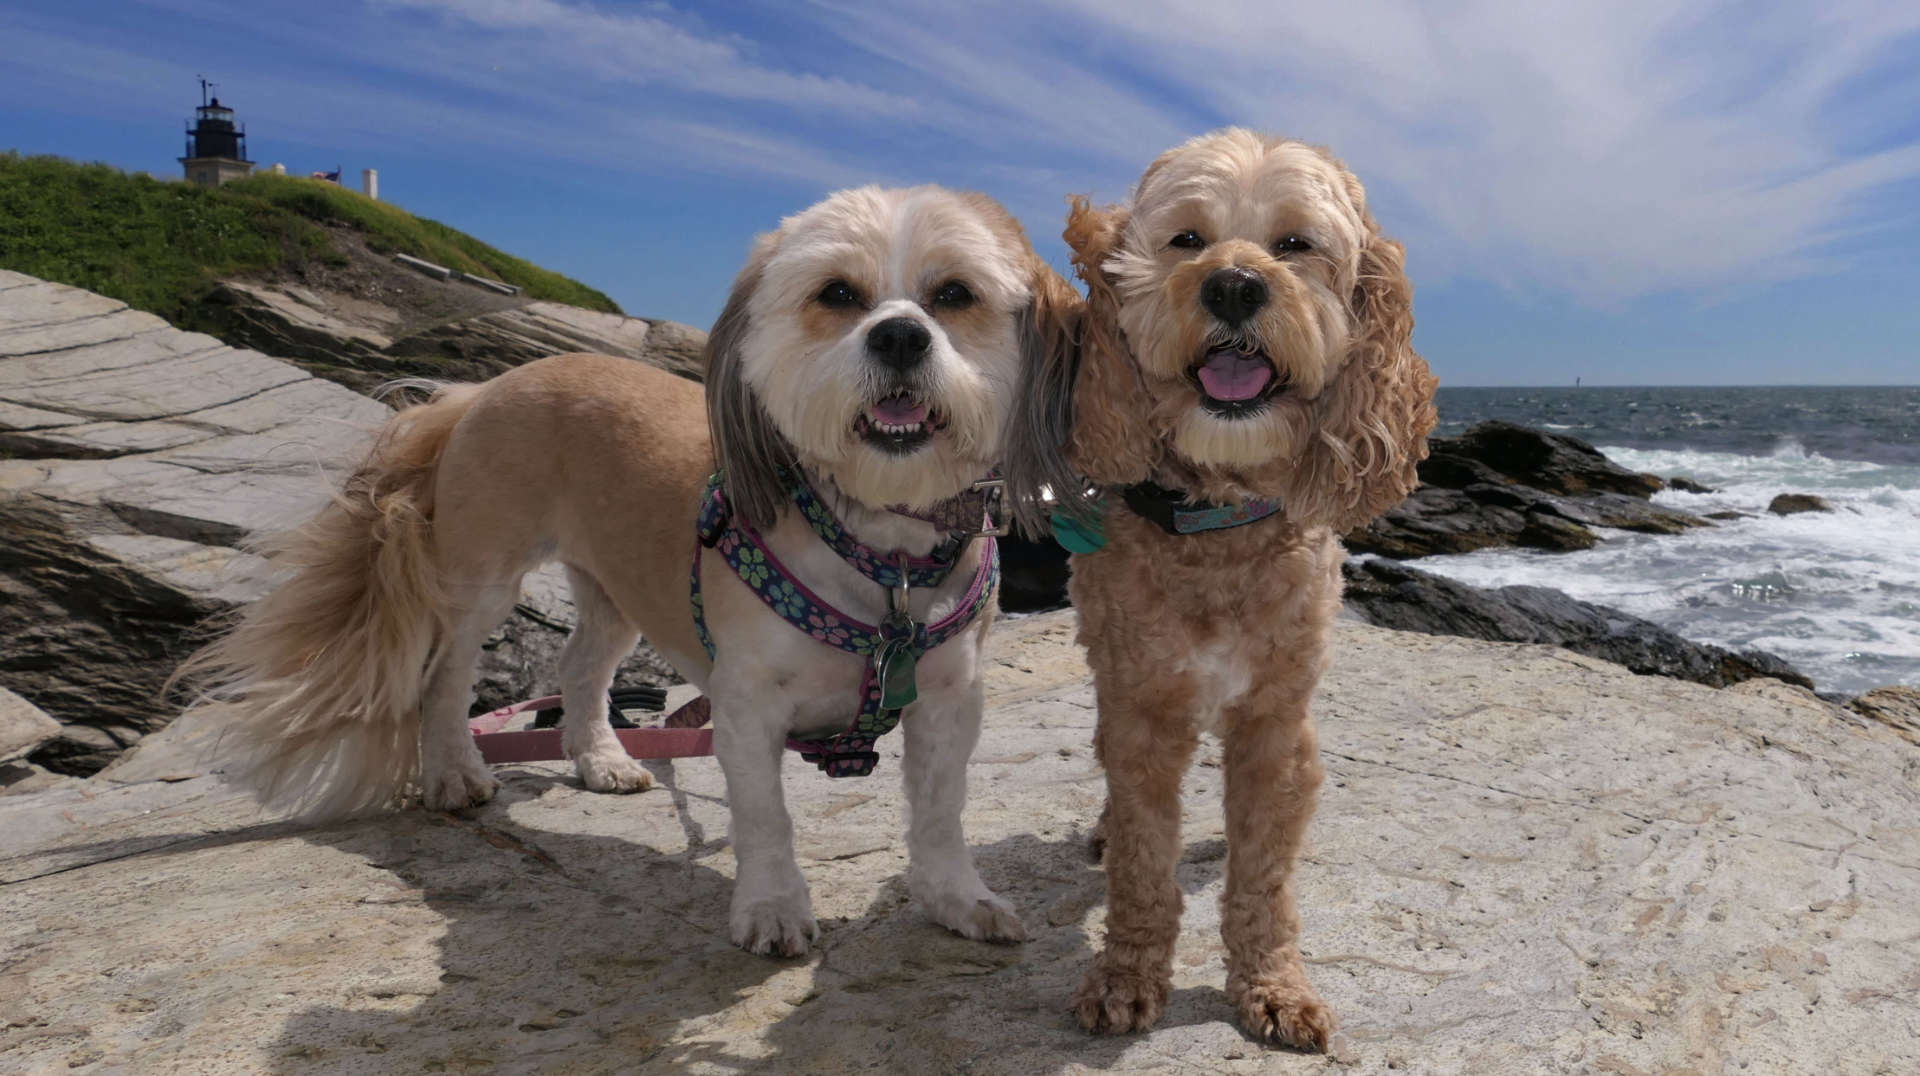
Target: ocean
[[1837, 594]]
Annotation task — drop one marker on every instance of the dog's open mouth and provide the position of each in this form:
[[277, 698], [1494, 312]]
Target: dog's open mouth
[[898, 423], [1235, 382]]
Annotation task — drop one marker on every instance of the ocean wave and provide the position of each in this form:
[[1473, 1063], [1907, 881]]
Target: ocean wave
[[1832, 592], [1837, 593], [1790, 468]]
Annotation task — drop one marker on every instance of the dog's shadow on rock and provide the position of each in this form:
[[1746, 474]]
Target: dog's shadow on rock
[[557, 951], [894, 992], [583, 952]]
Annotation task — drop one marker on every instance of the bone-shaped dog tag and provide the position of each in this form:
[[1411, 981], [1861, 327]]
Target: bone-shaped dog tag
[[895, 671]]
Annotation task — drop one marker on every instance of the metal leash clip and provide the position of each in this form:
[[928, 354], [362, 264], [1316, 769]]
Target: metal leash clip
[[894, 663], [993, 507]]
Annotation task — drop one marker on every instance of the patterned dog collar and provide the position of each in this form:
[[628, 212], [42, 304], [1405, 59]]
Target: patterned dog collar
[[977, 511], [1172, 512]]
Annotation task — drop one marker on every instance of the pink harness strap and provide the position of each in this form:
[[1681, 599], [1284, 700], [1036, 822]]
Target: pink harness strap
[[682, 738]]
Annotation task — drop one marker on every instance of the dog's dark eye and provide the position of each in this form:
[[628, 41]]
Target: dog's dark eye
[[1188, 240], [953, 295], [838, 293], [1291, 244]]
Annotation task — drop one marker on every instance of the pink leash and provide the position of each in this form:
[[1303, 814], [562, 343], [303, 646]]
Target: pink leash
[[681, 735]]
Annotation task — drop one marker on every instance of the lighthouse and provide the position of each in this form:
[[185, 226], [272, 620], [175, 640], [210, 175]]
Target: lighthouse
[[216, 148]]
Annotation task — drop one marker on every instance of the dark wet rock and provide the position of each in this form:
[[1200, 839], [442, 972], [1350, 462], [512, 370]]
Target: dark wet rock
[[1788, 504], [1728, 514], [1688, 485], [1437, 520], [1395, 596], [1551, 462], [1501, 485]]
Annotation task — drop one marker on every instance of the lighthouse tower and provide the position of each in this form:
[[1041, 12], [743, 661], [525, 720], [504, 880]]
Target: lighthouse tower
[[216, 149]]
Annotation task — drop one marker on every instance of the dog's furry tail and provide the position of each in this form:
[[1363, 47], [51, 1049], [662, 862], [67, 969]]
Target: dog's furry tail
[[316, 688]]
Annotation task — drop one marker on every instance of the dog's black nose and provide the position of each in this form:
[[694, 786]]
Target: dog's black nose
[[901, 343], [1233, 294]]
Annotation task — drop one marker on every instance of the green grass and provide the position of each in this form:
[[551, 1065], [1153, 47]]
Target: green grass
[[158, 246], [390, 229]]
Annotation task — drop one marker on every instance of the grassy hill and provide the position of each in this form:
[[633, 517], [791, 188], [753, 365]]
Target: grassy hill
[[158, 246]]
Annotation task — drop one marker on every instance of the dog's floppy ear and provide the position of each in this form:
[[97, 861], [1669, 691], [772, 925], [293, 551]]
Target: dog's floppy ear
[[1112, 444], [1035, 456], [1378, 411], [746, 447]]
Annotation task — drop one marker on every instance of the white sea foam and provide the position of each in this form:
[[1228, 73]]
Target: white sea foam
[[1836, 593]]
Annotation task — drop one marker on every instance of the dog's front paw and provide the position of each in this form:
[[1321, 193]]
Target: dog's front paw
[[986, 918], [1114, 1000], [774, 928], [612, 771], [456, 786], [1283, 1012]]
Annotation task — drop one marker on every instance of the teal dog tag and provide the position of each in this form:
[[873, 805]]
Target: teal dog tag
[[1076, 536], [895, 672]]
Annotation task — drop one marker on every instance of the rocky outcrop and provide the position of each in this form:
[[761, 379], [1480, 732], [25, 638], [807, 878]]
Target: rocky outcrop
[[1395, 596], [1897, 707], [1789, 504], [362, 342], [134, 461], [23, 727], [1524, 860], [1500, 484]]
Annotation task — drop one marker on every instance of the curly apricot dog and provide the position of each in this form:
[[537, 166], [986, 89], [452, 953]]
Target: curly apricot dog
[[1245, 392]]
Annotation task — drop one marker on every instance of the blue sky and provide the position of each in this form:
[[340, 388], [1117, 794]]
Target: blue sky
[[1678, 192]]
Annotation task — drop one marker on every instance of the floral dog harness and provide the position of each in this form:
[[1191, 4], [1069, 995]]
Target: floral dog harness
[[892, 648]]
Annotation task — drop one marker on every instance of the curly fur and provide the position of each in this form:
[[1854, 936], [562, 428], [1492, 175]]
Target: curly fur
[[1226, 631]]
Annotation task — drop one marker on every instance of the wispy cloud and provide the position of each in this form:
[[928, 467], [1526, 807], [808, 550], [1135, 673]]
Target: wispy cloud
[[639, 48], [1601, 152], [1604, 151]]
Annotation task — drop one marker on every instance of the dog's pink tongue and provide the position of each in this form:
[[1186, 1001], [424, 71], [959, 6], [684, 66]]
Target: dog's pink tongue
[[898, 411], [1234, 375]]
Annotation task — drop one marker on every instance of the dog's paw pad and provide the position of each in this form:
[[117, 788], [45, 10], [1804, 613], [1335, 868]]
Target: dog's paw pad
[[1284, 1014], [616, 774], [1114, 1001], [992, 920], [771, 929], [457, 788]]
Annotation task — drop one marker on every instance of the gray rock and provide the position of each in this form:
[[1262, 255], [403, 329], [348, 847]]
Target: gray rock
[[1396, 596], [1688, 485], [23, 727], [362, 342], [1524, 860], [135, 460], [1787, 504]]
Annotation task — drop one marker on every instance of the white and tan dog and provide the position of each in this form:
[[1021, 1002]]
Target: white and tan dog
[[873, 341]]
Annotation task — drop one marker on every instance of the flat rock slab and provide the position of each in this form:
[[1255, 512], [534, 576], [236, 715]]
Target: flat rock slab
[[1524, 861]]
